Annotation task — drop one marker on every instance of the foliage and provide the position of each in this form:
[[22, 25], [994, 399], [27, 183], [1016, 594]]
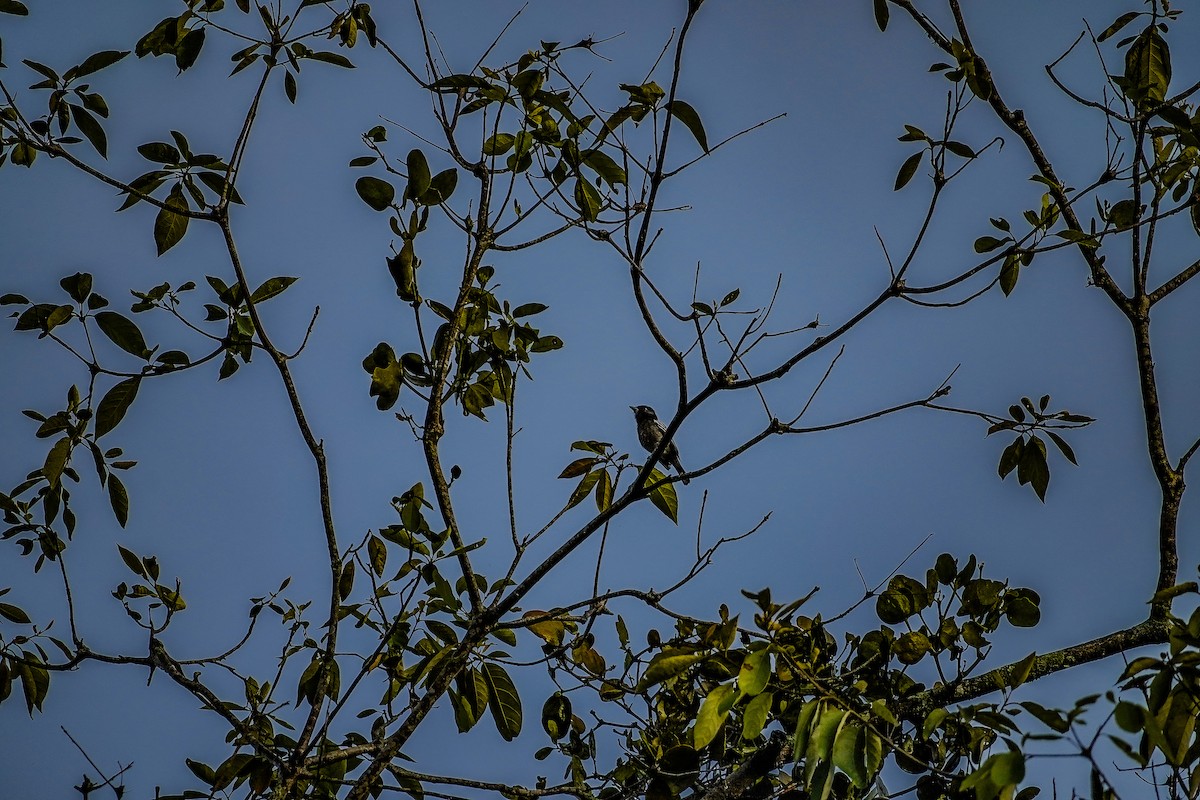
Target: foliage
[[787, 702]]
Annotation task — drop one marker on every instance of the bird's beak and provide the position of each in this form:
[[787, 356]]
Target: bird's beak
[[633, 409]]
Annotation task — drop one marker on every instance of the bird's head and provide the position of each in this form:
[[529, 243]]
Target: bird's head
[[643, 412]]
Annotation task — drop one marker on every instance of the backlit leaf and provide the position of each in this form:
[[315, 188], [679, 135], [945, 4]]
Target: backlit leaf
[[118, 498], [712, 714], [667, 665], [123, 332], [663, 496], [89, 126], [587, 199], [503, 701], [881, 14], [114, 404], [418, 174], [56, 460], [754, 718], [270, 288], [755, 672], [375, 192], [1119, 23], [169, 227], [688, 116], [98, 61], [907, 170]]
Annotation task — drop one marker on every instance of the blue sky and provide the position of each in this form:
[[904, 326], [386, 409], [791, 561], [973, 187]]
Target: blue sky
[[223, 493]]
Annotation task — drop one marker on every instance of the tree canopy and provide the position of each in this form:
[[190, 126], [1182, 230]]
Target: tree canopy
[[327, 485]]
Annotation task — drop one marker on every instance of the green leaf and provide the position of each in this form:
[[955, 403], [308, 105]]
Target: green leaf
[[604, 491], [270, 288], [551, 631], [133, 562], [1117, 25], [646, 93], [960, 149], [712, 714], [667, 665], [189, 48], [123, 332], [528, 310], [375, 192], [98, 61], [1009, 274], [35, 681], [1124, 213], [202, 771], [503, 701], [584, 488], [688, 116], [418, 174], [498, 145], [89, 126], [118, 498], [755, 672], [170, 227], [903, 597], [1148, 69], [14, 614], [1007, 768], [556, 716], [820, 743], [1020, 671], [663, 496], [804, 724], [78, 286], [1051, 718], [986, 244], [544, 344], [1023, 612], [1130, 717], [1080, 237], [377, 555], [1011, 456], [56, 460], [587, 199], [1063, 447], [847, 753], [754, 717], [881, 14], [1032, 468], [471, 699], [907, 170], [159, 153], [441, 186], [43, 316], [402, 269], [337, 59], [115, 403], [579, 466], [386, 380], [911, 647], [40, 68], [605, 167]]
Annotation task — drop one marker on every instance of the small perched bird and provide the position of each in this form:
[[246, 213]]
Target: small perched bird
[[650, 432]]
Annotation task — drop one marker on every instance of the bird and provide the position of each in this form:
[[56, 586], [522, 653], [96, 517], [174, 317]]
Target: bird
[[650, 433]]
